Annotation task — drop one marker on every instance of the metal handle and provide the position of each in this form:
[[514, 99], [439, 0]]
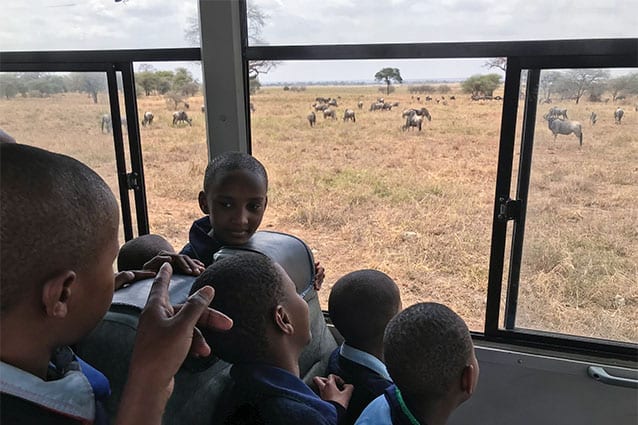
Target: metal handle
[[600, 374]]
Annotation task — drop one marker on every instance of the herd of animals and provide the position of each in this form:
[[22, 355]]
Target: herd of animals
[[413, 117], [557, 120]]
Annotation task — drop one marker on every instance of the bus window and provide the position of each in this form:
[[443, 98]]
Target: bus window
[[578, 267]]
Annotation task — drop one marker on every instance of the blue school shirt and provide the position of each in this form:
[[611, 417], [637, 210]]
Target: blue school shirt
[[388, 409], [201, 245], [361, 369], [274, 396], [73, 389]]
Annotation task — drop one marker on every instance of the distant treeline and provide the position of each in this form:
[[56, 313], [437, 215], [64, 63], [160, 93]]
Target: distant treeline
[[178, 83]]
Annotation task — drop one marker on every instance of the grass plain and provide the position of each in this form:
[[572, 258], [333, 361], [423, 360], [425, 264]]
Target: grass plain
[[416, 205]]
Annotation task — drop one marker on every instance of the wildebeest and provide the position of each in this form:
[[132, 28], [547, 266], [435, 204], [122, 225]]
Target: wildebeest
[[332, 102], [593, 118], [107, 124], [387, 106], [377, 106], [203, 108], [618, 114], [181, 116], [312, 118], [348, 114], [558, 126], [252, 107], [557, 112], [360, 104], [330, 113], [148, 118], [422, 112], [320, 106], [413, 121]]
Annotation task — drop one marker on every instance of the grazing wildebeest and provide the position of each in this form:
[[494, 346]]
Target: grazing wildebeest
[[422, 112], [330, 113], [376, 106], [428, 98], [107, 124], [380, 100], [320, 107], [557, 112], [618, 114], [395, 104], [322, 99], [148, 118], [360, 104], [312, 118], [593, 118], [387, 107], [348, 114], [558, 126], [181, 116], [452, 97], [332, 102], [413, 121], [186, 105]]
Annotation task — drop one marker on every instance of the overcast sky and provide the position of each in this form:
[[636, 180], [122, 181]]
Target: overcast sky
[[104, 24]]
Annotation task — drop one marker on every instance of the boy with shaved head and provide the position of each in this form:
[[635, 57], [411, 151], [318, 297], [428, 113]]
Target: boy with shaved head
[[270, 329], [59, 225], [430, 356], [361, 304]]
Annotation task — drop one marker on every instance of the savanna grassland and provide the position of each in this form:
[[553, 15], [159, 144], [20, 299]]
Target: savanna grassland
[[416, 205]]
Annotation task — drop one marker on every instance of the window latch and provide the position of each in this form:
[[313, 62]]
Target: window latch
[[508, 209], [133, 181]]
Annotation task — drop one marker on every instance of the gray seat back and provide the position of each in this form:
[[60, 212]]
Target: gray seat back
[[200, 383]]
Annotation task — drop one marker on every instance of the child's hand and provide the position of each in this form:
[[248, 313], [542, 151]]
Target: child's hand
[[334, 389], [164, 338], [181, 263], [320, 275], [129, 276]]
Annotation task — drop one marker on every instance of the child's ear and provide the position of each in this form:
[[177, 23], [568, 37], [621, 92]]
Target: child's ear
[[265, 202], [468, 379], [282, 320], [56, 293], [203, 202]]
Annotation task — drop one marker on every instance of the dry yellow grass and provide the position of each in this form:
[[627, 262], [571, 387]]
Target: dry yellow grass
[[416, 205]]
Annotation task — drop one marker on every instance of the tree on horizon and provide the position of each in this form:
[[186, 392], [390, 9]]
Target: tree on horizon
[[388, 75]]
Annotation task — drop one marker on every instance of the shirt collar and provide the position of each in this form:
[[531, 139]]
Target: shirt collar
[[364, 359], [70, 395]]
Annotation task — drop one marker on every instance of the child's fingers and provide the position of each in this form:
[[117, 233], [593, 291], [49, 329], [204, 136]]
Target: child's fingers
[[158, 296]]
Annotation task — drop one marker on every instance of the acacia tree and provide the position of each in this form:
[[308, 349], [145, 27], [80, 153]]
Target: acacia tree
[[256, 21], [547, 83], [481, 84], [89, 82], [500, 63], [388, 75], [578, 81]]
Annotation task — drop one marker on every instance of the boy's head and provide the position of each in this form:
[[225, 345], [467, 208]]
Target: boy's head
[[138, 251], [361, 304], [263, 303], [59, 239], [430, 355], [234, 196]]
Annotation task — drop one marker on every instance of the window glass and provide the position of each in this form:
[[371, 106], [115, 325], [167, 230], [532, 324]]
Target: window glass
[[174, 152], [98, 25], [578, 271], [282, 22], [370, 192], [68, 113]]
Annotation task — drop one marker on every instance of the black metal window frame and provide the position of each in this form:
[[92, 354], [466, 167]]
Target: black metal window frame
[[110, 62], [521, 55]]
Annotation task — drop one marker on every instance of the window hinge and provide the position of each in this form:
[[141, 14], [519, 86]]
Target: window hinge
[[508, 209], [133, 181]]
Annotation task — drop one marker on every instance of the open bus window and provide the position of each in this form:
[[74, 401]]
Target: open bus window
[[578, 270], [367, 191], [171, 106], [67, 113]]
